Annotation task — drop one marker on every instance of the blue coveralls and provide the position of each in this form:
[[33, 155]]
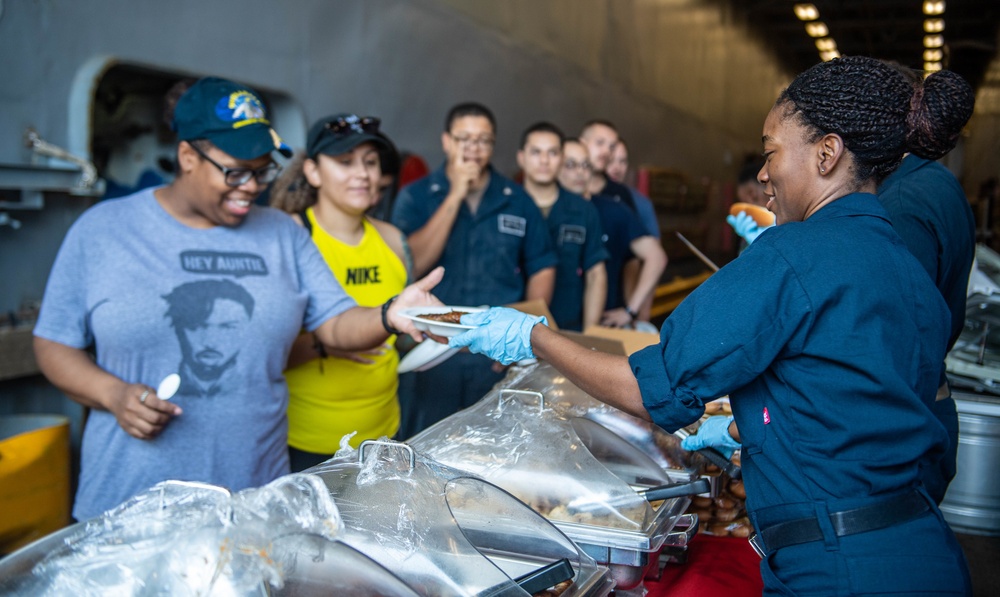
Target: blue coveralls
[[488, 259], [621, 226], [575, 228], [828, 361], [929, 210]]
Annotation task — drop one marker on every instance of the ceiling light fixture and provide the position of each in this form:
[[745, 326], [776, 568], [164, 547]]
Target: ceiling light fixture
[[828, 56], [817, 29], [933, 25], [933, 55], [826, 44], [932, 67], [933, 41], [933, 7], [806, 12]]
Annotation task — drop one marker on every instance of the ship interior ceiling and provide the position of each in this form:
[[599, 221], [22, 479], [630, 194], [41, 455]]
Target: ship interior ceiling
[[887, 29]]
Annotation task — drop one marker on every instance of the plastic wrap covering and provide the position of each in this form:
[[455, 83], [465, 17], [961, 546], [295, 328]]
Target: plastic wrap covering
[[564, 396], [443, 531], [181, 538], [567, 468]]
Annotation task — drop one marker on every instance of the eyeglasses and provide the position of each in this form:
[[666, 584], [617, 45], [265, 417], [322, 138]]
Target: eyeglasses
[[236, 177], [484, 142], [368, 124], [575, 165]]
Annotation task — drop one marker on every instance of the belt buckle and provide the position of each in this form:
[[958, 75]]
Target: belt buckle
[[757, 544]]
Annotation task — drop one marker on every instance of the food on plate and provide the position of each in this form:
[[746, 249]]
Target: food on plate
[[449, 317], [759, 214]]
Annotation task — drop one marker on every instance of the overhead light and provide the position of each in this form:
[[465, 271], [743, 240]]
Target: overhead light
[[806, 12], [826, 44], [933, 7], [817, 29], [932, 67], [933, 41], [933, 25], [933, 55], [828, 56]]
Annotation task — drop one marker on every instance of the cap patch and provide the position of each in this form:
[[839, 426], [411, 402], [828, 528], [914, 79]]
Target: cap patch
[[241, 108]]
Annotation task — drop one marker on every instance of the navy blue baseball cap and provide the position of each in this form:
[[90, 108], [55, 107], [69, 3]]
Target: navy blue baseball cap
[[340, 133], [231, 116]]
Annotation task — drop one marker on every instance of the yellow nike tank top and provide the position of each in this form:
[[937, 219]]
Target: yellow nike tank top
[[346, 396]]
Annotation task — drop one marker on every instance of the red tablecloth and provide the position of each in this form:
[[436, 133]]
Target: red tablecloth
[[716, 566]]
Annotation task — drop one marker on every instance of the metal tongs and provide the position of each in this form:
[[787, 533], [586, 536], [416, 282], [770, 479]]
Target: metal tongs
[[650, 494], [715, 457]]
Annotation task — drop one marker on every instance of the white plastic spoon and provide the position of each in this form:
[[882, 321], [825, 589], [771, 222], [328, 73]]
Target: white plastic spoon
[[168, 387]]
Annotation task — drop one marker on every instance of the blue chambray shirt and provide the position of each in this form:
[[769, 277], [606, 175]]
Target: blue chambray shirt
[[828, 337], [489, 256]]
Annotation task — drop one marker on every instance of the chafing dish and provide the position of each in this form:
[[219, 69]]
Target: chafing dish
[[587, 480], [183, 538], [444, 531]]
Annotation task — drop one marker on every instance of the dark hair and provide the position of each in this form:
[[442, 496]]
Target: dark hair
[[542, 127], [750, 169], [469, 109], [868, 104], [598, 122], [292, 193], [939, 110]]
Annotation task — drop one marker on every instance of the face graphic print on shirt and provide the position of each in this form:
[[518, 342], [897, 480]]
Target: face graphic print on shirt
[[210, 319]]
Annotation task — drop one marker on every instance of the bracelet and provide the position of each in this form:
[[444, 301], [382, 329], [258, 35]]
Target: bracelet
[[321, 350], [385, 318], [631, 313]]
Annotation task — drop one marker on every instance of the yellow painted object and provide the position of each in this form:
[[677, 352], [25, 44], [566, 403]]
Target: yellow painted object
[[34, 478]]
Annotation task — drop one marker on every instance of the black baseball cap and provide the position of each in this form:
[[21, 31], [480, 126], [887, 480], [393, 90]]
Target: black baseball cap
[[340, 133], [231, 116]]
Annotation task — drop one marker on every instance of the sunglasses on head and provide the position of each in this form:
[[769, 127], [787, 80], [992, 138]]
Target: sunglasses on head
[[349, 124]]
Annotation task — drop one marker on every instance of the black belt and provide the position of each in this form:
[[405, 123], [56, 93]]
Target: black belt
[[846, 522]]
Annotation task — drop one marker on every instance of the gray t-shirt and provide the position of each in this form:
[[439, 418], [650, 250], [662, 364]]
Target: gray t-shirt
[[219, 306]]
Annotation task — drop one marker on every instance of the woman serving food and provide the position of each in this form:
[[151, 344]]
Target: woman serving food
[[829, 373]]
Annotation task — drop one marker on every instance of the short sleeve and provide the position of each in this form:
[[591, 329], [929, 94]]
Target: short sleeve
[[594, 250], [538, 249], [326, 296], [63, 317]]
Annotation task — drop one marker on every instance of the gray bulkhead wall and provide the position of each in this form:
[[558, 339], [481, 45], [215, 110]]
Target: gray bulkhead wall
[[688, 89]]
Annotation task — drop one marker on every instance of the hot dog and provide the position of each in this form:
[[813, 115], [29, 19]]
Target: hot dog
[[760, 214]]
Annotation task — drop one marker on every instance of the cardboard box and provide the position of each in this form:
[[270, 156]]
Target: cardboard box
[[630, 339]]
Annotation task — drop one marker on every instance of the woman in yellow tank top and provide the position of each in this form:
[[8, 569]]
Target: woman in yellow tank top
[[329, 190]]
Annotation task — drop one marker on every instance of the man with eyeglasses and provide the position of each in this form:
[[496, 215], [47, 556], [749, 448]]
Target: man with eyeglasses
[[575, 228], [495, 247], [197, 262]]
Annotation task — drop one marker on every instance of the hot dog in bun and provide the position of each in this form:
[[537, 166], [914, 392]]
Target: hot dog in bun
[[759, 214]]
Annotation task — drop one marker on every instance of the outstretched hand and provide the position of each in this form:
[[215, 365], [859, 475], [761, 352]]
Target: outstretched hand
[[501, 333], [417, 294]]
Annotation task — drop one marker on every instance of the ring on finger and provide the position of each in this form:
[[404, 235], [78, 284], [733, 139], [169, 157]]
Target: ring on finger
[[142, 397]]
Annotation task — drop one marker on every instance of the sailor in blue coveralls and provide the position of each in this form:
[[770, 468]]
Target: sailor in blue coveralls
[[829, 359], [493, 244], [575, 228]]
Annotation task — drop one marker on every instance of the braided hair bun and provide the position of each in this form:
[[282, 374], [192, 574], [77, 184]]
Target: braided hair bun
[[939, 109]]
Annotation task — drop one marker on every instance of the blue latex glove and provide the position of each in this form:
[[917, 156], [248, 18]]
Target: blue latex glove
[[502, 334], [745, 226], [713, 433]]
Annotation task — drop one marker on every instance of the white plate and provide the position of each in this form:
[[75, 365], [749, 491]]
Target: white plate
[[425, 355], [437, 327]]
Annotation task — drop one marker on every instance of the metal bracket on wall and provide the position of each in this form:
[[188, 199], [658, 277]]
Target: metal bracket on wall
[[29, 181]]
